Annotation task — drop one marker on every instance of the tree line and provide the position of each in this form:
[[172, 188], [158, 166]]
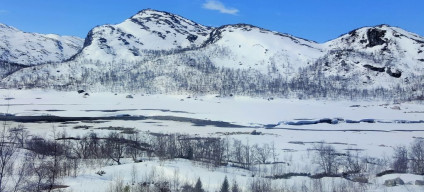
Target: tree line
[[191, 73]]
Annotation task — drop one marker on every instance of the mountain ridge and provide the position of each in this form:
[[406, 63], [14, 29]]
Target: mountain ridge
[[162, 49], [34, 48]]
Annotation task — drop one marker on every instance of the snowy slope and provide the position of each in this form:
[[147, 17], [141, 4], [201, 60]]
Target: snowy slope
[[32, 48], [174, 52], [233, 46], [375, 56], [245, 46], [147, 30]]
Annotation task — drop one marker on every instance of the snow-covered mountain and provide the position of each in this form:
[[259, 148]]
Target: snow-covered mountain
[[148, 30], [156, 51], [32, 48], [247, 47], [150, 33], [375, 56]]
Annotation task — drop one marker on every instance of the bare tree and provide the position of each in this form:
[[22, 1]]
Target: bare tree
[[261, 154], [8, 149], [185, 147], [400, 159], [159, 143], [54, 162], [417, 156], [19, 135], [115, 147], [238, 151], [134, 146], [326, 158], [21, 175], [38, 169], [353, 163]]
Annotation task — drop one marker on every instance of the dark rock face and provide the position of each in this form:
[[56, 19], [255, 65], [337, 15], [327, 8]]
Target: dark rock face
[[375, 37], [392, 72], [214, 36], [353, 33], [378, 69], [89, 39], [191, 38], [103, 40], [395, 73]]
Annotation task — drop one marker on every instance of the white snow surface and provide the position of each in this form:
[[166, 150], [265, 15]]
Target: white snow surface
[[240, 110], [33, 48], [147, 30], [399, 51], [292, 142], [248, 47]]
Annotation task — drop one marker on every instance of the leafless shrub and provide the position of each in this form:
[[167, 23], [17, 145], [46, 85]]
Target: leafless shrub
[[400, 159], [327, 158]]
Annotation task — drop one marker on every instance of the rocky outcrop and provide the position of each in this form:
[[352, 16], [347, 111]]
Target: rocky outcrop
[[375, 37], [419, 182], [394, 182]]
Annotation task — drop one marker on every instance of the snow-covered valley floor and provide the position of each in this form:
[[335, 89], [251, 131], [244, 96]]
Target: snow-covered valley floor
[[293, 127]]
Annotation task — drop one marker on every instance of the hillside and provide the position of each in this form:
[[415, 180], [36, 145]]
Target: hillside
[[159, 52], [32, 48], [20, 49], [380, 56]]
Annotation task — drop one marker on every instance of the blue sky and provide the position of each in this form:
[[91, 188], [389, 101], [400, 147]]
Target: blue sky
[[318, 20]]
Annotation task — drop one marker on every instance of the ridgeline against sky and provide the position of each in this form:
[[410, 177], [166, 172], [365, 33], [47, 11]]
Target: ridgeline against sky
[[315, 20]]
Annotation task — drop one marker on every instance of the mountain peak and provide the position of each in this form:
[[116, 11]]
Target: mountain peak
[[150, 12], [145, 31], [382, 26], [381, 36], [4, 26], [171, 20]]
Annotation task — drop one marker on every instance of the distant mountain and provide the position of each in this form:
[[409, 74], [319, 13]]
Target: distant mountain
[[380, 56], [32, 48], [159, 52]]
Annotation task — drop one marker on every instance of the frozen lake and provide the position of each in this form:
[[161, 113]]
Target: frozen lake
[[371, 128]]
